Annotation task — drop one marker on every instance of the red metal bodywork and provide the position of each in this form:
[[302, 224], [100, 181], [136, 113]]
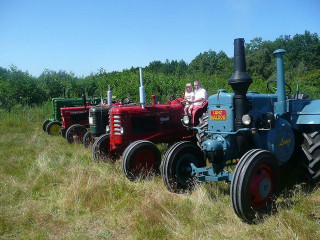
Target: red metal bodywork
[[75, 115], [159, 123]]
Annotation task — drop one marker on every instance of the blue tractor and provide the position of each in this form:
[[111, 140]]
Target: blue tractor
[[256, 132]]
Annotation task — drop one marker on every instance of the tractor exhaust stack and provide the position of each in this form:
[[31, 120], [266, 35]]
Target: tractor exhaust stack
[[142, 90], [281, 92], [109, 96], [240, 81]]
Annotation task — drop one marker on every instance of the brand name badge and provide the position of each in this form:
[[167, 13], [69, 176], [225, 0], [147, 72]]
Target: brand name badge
[[218, 115], [285, 142]]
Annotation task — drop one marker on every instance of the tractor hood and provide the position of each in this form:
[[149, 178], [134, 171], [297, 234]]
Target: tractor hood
[[310, 114]]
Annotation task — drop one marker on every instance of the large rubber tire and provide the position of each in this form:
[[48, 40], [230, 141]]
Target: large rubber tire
[[54, 128], [255, 185], [101, 148], [203, 125], [311, 148], [176, 170], [140, 159], [75, 133], [45, 125], [88, 139]]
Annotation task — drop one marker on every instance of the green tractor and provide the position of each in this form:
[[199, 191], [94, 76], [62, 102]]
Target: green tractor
[[53, 125]]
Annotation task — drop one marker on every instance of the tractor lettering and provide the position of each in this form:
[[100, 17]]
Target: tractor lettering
[[218, 115], [284, 142]]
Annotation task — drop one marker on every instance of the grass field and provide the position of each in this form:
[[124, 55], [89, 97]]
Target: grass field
[[53, 190]]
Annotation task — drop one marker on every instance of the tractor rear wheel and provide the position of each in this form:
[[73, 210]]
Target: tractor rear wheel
[[176, 168], [203, 125], [311, 148], [101, 148], [75, 133], [45, 124], [255, 185], [140, 159], [54, 128], [88, 139]]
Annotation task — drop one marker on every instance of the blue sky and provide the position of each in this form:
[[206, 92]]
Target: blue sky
[[82, 36]]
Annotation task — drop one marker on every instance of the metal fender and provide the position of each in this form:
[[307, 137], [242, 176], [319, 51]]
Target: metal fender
[[310, 114], [281, 140]]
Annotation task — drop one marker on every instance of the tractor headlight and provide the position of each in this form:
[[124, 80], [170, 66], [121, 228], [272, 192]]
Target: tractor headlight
[[121, 130], [246, 119], [186, 120], [107, 129], [91, 120]]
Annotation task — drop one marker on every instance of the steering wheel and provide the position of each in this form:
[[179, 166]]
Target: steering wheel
[[272, 87]]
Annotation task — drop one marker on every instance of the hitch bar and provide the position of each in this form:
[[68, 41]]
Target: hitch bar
[[206, 174]]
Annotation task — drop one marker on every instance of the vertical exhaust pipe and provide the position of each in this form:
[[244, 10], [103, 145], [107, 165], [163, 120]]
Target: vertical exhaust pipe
[[240, 81], [281, 91], [84, 98], [142, 92], [109, 96]]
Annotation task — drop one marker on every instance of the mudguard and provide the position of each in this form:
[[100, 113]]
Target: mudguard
[[310, 114]]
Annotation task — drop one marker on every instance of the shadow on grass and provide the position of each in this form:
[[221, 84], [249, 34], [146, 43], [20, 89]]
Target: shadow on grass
[[294, 180]]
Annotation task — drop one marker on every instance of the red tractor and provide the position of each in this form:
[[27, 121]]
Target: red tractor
[[136, 129], [75, 120]]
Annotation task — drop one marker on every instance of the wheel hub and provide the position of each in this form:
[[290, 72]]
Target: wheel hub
[[264, 187], [260, 187], [144, 161], [55, 129]]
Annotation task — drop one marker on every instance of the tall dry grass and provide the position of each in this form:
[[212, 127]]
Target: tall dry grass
[[53, 190]]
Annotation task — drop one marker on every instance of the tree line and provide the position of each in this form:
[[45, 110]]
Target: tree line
[[167, 79]]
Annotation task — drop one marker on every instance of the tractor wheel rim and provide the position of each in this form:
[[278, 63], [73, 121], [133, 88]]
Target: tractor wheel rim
[[143, 161], [183, 168], [55, 129], [77, 135], [103, 148], [261, 186]]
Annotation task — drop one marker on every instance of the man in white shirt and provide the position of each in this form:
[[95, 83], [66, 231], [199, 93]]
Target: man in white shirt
[[200, 95]]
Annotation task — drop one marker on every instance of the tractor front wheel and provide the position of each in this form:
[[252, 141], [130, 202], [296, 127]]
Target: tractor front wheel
[[54, 128], [101, 148], [45, 125], [176, 167], [75, 133], [88, 139], [255, 185], [140, 159], [311, 148]]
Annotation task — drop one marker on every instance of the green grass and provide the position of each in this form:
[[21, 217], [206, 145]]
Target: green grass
[[53, 190]]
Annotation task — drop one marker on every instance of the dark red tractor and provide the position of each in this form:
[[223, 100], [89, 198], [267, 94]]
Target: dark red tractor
[[75, 120], [134, 131]]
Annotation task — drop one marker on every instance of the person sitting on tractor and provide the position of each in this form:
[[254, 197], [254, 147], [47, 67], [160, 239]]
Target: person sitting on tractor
[[200, 96], [188, 98]]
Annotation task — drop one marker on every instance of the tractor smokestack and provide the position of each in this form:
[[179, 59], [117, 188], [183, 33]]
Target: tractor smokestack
[[240, 81], [109, 96], [84, 98], [281, 92], [142, 90]]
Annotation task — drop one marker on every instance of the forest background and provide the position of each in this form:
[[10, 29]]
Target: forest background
[[167, 79]]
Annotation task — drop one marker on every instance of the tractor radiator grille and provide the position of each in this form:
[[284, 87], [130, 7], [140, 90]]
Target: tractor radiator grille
[[116, 126]]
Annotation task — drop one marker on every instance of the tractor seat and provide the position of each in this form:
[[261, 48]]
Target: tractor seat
[[300, 96]]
